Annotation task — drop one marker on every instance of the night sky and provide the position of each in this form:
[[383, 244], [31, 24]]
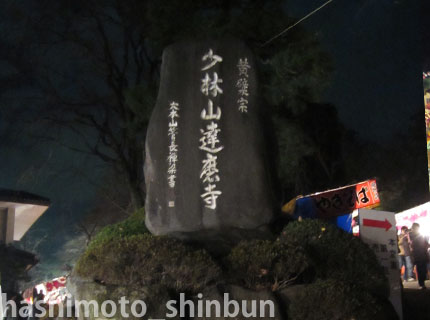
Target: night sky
[[376, 47], [377, 52]]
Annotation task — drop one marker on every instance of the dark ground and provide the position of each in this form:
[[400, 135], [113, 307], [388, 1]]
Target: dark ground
[[416, 303]]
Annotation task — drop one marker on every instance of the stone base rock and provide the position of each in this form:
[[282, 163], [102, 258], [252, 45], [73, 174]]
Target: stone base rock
[[87, 290]]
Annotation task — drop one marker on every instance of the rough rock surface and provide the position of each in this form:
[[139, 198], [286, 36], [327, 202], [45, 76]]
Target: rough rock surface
[[206, 165], [88, 290], [156, 299], [83, 289], [292, 295]]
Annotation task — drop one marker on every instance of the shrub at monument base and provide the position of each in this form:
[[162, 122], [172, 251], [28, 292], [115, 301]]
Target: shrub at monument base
[[133, 225], [261, 264], [337, 275], [328, 274], [335, 254], [122, 255], [333, 299]]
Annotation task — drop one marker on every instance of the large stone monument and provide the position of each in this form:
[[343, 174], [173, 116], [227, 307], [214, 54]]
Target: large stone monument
[[206, 166]]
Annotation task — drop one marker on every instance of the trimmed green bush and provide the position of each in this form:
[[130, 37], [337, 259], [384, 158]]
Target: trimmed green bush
[[335, 254], [260, 264], [335, 300], [133, 225], [146, 260], [305, 252], [342, 275]]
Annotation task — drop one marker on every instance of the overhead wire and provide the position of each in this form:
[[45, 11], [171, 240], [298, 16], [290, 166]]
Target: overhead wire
[[296, 23]]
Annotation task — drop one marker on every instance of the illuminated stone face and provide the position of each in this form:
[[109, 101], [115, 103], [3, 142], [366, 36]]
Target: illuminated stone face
[[206, 165]]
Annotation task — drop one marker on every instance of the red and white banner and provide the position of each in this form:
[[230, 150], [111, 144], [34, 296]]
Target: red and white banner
[[54, 291]]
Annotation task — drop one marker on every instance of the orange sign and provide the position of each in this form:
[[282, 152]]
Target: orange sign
[[340, 201]]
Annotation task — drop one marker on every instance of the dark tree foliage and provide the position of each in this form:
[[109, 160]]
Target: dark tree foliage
[[311, 145], [91, 69], [400, 165]]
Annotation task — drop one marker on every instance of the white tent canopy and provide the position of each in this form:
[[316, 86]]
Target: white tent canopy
[[419, 214], [18, 212]]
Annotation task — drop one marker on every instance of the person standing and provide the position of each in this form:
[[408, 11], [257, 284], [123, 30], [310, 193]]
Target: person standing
[[405, 254], [419, 246]]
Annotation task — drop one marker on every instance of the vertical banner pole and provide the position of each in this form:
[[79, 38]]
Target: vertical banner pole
[[426, 84]]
